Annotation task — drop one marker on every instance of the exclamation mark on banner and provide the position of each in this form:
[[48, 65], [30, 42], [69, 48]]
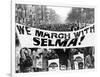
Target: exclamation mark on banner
[[81, 39]]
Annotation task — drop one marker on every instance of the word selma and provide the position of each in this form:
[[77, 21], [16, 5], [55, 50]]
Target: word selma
[[46, 38], [58, 42]]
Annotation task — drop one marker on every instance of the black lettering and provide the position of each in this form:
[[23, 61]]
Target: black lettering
[[28, 31], [20, 29], [73, 42], [50, 43], [38, 33], [67, 36], [92, 29], [61, 43], [36, 40], [86, 30], [61, 35], [43, 42], [77, 34], [53, 35], [46, 34]]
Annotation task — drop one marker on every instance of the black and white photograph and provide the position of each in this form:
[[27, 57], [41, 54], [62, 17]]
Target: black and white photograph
[[53, 38], [50, 38]]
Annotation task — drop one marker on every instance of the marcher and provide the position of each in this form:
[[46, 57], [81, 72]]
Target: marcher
[[25, 60]]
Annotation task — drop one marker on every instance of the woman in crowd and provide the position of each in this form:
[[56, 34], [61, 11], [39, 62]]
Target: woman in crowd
[[25, 60]]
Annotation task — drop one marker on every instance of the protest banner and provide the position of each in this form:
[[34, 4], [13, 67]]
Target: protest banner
[[32, 37], [52, 38]]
